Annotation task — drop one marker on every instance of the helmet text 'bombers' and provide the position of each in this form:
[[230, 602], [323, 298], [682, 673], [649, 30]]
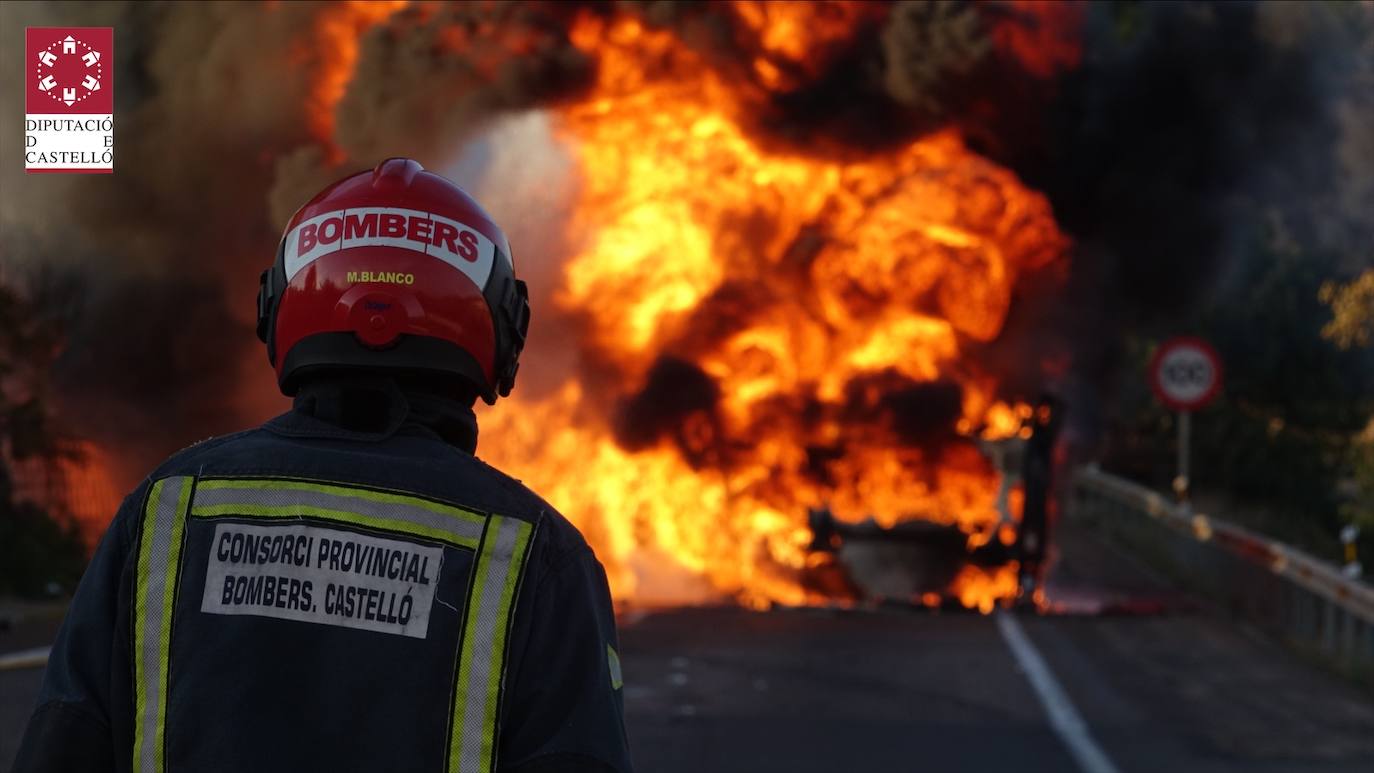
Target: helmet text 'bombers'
[[396, 269]]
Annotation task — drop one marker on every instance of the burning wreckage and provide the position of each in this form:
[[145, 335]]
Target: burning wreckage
[[919, 560]]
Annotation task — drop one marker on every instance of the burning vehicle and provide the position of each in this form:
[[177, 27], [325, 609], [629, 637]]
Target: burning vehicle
[[920, 561]]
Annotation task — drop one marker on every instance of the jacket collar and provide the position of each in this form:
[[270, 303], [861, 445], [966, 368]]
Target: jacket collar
[[373, 409]]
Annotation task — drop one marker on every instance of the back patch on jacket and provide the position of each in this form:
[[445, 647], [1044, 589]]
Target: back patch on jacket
[[322, 576], [339, 627]]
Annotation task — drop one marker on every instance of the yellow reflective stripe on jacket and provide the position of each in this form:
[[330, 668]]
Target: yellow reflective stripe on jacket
[[270, 498], [482, 663], [159, 558], [295, 512], [384, 497], [613, 662]]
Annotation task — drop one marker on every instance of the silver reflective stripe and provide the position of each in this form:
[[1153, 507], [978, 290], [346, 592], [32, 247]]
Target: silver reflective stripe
[[482, 663], [158, 561], [268, 493]]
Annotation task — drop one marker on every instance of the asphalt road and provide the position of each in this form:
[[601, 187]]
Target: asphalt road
[[822, 691], [1178, 690], [24, 627]]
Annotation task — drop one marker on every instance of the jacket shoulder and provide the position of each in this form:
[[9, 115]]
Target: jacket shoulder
[[559, 535], [186, 461]]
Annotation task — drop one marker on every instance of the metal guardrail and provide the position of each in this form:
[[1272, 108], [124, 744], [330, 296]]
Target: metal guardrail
[[1304, 600]]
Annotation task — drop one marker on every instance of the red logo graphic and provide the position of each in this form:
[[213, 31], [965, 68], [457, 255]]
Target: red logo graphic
[[70, 70]]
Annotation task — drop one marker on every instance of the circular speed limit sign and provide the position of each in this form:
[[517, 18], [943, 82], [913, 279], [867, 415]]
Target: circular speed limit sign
[[1185, 373]]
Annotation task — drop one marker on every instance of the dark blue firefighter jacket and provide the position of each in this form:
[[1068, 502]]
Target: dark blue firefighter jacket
[[309, 596]]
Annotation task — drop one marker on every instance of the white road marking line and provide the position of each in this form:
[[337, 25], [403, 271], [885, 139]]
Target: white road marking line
[[1064, 718], [34, 658]]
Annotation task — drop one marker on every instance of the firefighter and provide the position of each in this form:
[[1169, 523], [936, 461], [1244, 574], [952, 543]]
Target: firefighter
[[347, 587]]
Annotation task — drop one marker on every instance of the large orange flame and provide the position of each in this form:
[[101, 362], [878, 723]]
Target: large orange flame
[[804, 286], [329, 53]]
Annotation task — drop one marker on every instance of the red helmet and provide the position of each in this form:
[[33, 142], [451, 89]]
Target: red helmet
[[396, 269]]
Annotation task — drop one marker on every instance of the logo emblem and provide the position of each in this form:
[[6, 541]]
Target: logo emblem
[[53, 63], [69, 99]]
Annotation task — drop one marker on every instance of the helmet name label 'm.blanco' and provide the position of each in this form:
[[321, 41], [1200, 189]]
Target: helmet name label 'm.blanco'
[[458, 245], [384, 277]]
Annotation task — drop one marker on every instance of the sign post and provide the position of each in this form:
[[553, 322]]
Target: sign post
[[1186, 375], [1185, 438]]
